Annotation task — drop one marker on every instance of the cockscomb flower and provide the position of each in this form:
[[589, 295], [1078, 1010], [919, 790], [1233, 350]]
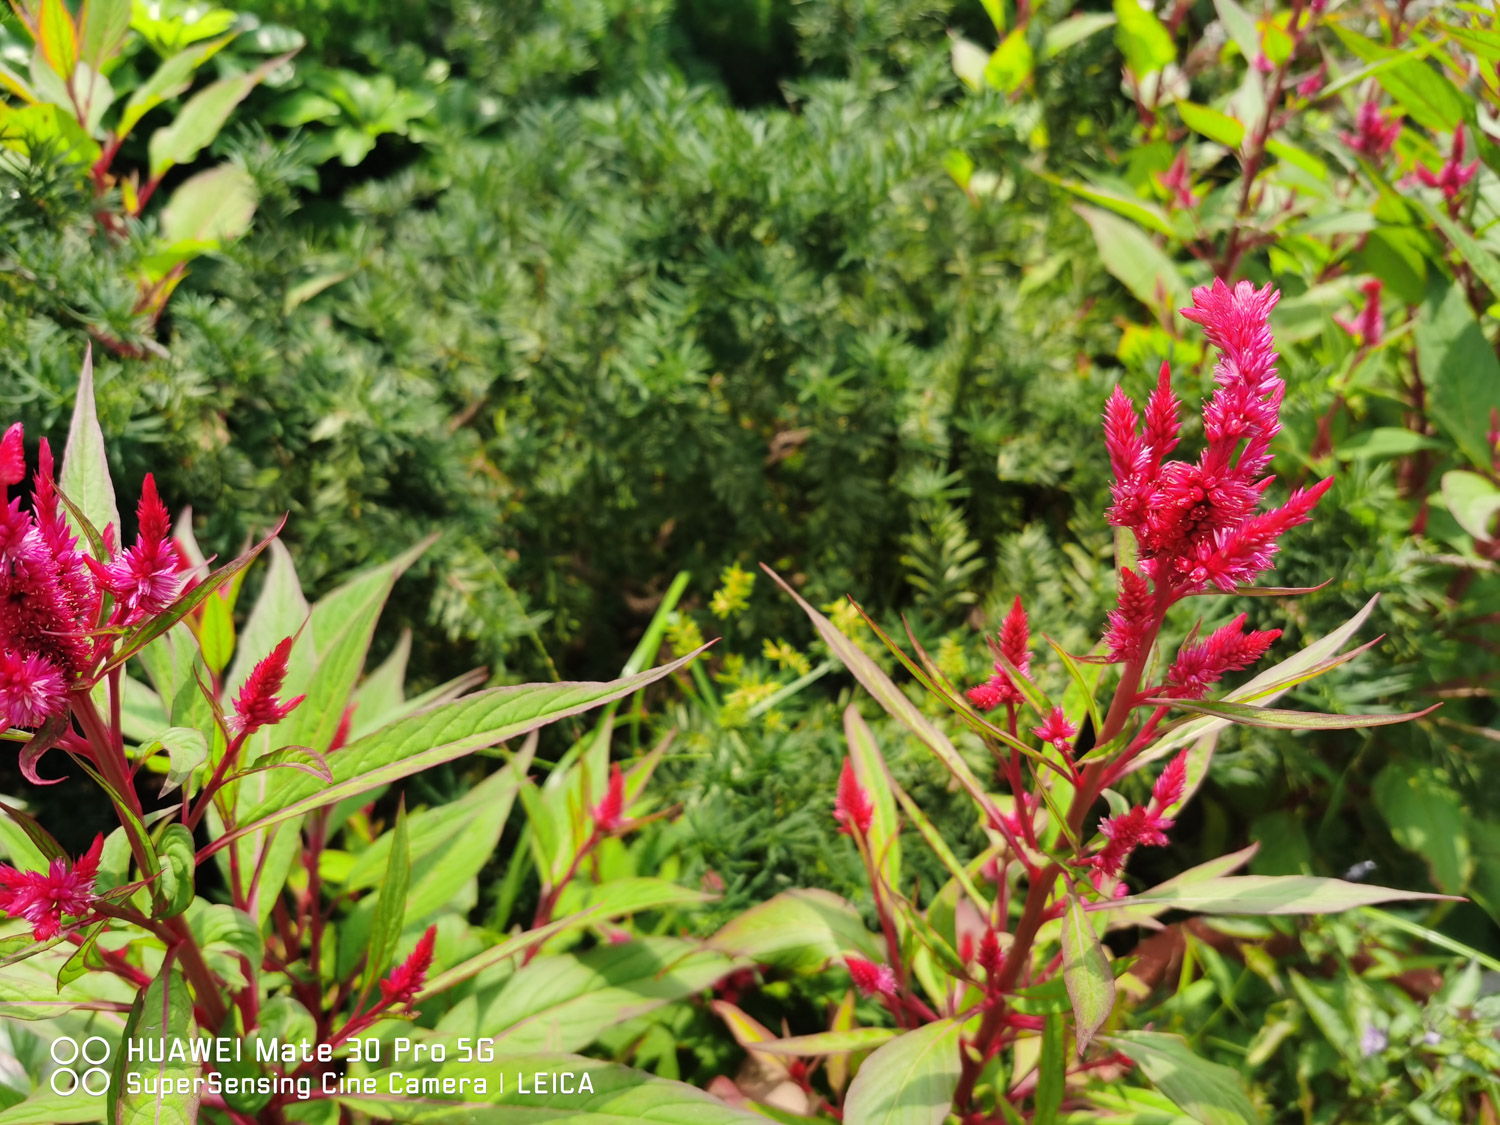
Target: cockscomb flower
[[1312, 85], [609, 813], [852, 807], [871, 979], [1014, 644], [1454, 175], [1374, 133], [407, 978], [256, 704], [1140, 826], [990, 958], [1057, 730], [1227, 649], [49, 603], [145, 578], [1196, 523], [1177, 182], [1369, 326], [44, 899], [1170, 785]]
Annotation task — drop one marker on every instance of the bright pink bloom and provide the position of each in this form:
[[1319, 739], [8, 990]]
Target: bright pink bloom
[[407, 978], [1057, 730], [1014, 644], [1311, 85], [13, 456], [1369, 326], [1196, 522], [45, 898], [49, 603], [1170, 785], [146, 578], [609, 813], [990, 957], [1227, 649], [1453, 176], [1123, 834], [852, 808], [1262, 63], [871, 979], [256, 705], [1374, 133], [1177, 181]]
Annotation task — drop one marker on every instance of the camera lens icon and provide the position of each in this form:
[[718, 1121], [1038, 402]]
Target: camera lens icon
[[93, 1078]]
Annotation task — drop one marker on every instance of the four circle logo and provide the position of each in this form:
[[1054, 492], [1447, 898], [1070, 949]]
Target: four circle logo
[[94, 1051]]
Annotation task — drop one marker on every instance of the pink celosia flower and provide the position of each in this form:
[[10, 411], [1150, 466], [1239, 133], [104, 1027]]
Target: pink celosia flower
[[1178, 182], [146, 578], [609, 813], [871, 979], [1453, 175], [1227, 649], [852, 807], [1262, 63], [45, 898], [990, 958], [49, 603], [1313, 83], [1140, 826], [1369, 326], [1169, 786], [1374, 133], [1196, 522], [13, 456], [256, 704], [1014, 644], [407, 978], [1057, 730]]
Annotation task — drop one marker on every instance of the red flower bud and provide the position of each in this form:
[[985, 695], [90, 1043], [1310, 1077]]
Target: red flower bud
[[852, 808]]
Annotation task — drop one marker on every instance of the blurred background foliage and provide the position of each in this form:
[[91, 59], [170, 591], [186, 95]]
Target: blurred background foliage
[[610, 290]]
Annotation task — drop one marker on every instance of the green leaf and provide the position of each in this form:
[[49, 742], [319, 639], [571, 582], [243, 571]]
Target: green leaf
[[85, 465], [1010, 67], [211, 208], [86, 959], [1119, 199], [1142, 38], [873, 776], [909, 1081], [969, 61], [1263, 894], [1275, 718], [46, 1108], [1069, 32], [1383, 443], [103, 27], [1205, 1091], [1212, 124], [1426, 816], [168, 80], [1241, 27], [279, 611], [1052, 1072], [198, 122], [799, 930], [1484, 263], [57, 37], [1137, 262], [1459, 368], [1087, 973], [174, 888], [390, 906], [565, 1002], [619, 1096], [440, 734], [163, 1012], [1473, 501], [1418, 87]]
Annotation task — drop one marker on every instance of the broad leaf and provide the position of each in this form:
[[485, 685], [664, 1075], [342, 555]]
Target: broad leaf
[[909, 1081], [1426, 816], [174, 886], [830, 1042], [799, 930], [198, 122], [1277, 719], [1134, 260], [163, 1012], [1087, 973], [1142, 39], [390, 905], [1460, 370], [211, 208], [85, 466], [1263, 894], [1205, 1091]]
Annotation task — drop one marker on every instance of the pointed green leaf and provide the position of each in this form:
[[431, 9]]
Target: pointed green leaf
[[1205, 1091], [85, 466], [1263, 894], [829, 1042], [799, 930], [390, 906], [909, 1081], [198, 122], [1277, 719], [1087, 973], [163, 1012], [174, 887], [1052, 1071]]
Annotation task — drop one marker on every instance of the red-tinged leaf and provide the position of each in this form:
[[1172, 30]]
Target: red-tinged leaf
[[139, 637], [1277, 591], [38, 835], [303, 758], [1086, 972], [829, 1042], [46, 737], [1264, 894], [58, 38], [1275, 718], [1312, 672]]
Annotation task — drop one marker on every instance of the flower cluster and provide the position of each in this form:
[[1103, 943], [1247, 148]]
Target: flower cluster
[[1197, 523], [407, 978], [1139, 825], [256, 705], [1454, 175], [49, 601], [1374, 133], [852, 807], [1367, 328], [45, 898], [145, 578], [1014, 645]]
